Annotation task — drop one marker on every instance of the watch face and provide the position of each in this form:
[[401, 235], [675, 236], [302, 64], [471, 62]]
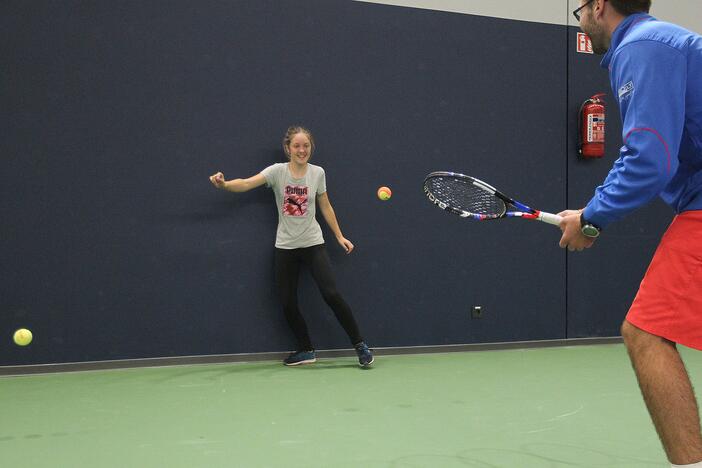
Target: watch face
[[590, 231]]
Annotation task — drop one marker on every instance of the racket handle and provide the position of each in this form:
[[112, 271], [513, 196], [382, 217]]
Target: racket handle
[[549, 218]]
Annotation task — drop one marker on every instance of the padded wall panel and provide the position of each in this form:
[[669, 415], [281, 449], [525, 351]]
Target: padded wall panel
[[114, 115]]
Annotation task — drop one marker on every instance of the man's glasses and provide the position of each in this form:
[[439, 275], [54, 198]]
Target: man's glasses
[[576, 12]]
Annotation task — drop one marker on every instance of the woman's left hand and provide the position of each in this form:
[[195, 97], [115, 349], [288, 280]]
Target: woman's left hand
[[346, 244]]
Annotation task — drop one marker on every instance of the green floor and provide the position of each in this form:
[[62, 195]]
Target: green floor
[[551, 407]]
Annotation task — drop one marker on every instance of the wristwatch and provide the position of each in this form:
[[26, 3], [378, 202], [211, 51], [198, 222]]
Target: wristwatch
[[588, 229]]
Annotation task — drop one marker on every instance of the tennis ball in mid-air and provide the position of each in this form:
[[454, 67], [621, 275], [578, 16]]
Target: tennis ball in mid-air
[[22, 337], [384, 193]]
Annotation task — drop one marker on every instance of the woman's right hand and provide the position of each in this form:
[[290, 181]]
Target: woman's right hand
[[218, 180]]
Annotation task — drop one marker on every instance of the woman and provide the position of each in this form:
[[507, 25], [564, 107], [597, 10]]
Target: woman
[[298, 187]]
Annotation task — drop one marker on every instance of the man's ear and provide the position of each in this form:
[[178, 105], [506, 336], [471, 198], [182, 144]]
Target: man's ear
[[598, 8]]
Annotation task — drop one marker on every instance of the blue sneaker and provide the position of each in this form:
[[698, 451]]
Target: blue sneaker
[[300, 357], [365, 357]]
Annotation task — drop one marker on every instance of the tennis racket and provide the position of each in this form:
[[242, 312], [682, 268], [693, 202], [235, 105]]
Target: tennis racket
[[469, 197]]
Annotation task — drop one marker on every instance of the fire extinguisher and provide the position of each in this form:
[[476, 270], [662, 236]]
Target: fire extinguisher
[[591, 127]]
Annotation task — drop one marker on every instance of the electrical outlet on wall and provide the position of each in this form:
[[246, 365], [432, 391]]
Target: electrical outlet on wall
[[476, 312]]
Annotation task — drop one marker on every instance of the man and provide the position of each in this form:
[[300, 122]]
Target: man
[[656, 75]]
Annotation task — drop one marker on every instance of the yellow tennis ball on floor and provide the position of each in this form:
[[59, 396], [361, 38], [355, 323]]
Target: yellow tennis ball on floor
[[23, 337], [384, 193]]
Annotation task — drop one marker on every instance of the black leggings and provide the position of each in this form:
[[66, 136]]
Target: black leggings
[[287, 270]]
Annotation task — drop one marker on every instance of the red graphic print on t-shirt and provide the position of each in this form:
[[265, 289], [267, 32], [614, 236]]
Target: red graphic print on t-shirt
[[295, 200]]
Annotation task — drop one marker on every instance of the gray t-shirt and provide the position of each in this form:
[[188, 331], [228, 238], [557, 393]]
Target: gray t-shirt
[[296, 201]]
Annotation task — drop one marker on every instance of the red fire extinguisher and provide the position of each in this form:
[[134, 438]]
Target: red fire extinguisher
[[591, 127]]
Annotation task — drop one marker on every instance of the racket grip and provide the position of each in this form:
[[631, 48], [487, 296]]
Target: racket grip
[[549, 218]]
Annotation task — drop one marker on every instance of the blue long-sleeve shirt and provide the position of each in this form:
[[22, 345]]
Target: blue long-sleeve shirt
[[655, 70]]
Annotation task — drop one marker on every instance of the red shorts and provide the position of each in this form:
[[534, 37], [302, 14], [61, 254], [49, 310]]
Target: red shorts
[[669, 301]]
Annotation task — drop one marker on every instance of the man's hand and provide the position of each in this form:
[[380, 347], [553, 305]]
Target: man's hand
[[573, 238]]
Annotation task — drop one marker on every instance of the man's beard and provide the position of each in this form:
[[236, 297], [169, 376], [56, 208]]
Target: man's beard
[[599, 49], [600, 44]]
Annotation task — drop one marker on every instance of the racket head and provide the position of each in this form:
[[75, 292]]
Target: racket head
[[464, 195]]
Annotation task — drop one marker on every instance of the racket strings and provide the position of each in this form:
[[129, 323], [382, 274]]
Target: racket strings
[[464, 195]]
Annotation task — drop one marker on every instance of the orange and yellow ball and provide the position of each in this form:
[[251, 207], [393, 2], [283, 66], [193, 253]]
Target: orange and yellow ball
[[384, 193]]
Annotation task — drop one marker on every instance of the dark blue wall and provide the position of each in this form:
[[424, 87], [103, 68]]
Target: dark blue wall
[[115, 245]]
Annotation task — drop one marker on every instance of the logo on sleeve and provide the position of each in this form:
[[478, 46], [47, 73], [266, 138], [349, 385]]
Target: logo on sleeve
[[626, 90], [295, 200]]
